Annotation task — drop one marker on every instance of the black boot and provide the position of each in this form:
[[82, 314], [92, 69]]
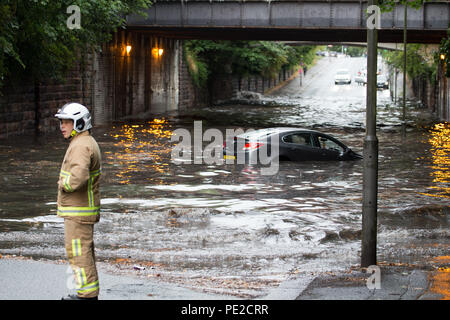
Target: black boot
[[76, 297]]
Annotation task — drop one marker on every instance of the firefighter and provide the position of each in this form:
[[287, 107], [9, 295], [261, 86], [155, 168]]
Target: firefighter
[[79, 197]]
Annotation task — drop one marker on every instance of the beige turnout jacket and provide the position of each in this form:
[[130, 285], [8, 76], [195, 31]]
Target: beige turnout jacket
[[78, 184]]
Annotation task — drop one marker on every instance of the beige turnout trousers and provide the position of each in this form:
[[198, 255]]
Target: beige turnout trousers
[[79, 243]]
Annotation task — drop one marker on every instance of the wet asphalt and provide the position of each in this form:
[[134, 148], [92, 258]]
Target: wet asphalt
[[46, 280], [25, 279]]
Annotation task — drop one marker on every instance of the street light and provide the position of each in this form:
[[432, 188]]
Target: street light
[[157, 52], [442, 56], [128, 48]]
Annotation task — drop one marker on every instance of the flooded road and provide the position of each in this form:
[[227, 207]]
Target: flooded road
[[226, 228]]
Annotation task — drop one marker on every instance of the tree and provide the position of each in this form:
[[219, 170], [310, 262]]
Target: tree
[[8, 30], [36, 42], [264, 58], [388, 5], [418, 62]]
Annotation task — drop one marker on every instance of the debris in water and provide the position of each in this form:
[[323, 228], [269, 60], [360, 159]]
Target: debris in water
[[136, 267]]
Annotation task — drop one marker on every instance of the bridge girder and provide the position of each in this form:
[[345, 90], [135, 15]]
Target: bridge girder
[[322, 20]]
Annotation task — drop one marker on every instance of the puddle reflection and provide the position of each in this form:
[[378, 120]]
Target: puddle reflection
[[139, 148], [440, 156]]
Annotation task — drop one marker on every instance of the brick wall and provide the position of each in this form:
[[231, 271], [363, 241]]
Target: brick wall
[[137, 83], [112, 84], [115, 85], [442, 109], [17, 111], [26, 108], [226, 86], [190, 95]]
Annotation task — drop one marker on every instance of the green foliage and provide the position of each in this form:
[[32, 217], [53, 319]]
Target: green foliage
[[36, 42], [198, 69], [243, 58], [305, 54], [7, 32], [418, 63], [388, 5], [356, 51]]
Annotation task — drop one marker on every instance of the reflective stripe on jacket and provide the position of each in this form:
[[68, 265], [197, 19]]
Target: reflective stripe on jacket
[[78, 184]]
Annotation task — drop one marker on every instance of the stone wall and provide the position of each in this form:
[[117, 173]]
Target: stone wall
[[442, 94], [190, 96], [137, 82], [430, 94], [29, 108], [443, 100], [226, 87], [113, 84]]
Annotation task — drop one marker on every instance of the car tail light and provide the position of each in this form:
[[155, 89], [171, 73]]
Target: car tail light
[[252, 145]]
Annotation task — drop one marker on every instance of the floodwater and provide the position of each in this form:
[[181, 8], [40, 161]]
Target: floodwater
[[227, 228]]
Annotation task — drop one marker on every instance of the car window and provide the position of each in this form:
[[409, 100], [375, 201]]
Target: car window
[[298, 138], [342, 72], [329, 144]]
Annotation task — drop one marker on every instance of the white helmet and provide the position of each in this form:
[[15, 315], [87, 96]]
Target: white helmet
[[78, 113]]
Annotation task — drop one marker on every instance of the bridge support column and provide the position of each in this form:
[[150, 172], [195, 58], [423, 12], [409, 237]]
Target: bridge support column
[[134, 75]]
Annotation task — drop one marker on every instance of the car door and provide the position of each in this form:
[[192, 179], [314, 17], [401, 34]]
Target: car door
[[330, 149], [299, 146]]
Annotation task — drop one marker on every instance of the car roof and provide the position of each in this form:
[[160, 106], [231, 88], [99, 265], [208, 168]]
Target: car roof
[[269, 131]]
